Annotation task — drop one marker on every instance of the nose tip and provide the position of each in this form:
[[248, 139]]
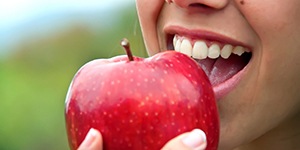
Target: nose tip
[[214, 4]]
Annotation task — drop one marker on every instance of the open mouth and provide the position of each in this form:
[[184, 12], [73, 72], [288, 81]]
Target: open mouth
[[222, 62]]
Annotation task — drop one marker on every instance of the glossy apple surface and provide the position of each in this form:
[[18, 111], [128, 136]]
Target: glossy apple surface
[[141, 104]]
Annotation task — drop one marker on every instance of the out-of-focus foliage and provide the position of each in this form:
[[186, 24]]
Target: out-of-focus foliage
[[35, 75]]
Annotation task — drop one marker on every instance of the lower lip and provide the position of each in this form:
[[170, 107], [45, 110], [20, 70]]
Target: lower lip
[[221, 90]]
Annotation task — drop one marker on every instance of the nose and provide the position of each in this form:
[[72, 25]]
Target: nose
[[213, 4]]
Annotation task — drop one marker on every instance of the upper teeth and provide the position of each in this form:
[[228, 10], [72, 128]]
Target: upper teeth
[[200, 49]]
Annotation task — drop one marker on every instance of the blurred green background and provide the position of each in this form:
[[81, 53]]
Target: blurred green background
[[42, 45]]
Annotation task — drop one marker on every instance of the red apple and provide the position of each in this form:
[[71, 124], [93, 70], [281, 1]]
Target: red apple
[[140, 104]]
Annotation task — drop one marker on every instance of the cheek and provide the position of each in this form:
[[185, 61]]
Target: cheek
[[277, 86], [271, 21], [148, 12], [277, 26], [279, 80]]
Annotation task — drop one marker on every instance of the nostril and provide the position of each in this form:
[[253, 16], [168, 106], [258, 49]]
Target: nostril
[[201, 4], [198, 5]]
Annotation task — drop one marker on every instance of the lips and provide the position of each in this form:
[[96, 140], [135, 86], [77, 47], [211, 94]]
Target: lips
[[224, 61]]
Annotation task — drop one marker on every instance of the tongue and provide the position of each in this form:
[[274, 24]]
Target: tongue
[[219, 70]]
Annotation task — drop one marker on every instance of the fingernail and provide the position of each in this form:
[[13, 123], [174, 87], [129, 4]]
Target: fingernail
[[196, 140], [90, 138]]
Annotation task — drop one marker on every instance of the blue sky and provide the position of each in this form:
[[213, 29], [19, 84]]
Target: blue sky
[[18, 11], [17, 15]]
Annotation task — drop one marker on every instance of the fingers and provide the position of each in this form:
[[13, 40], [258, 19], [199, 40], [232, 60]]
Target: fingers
[[194, 140], [92, 141]]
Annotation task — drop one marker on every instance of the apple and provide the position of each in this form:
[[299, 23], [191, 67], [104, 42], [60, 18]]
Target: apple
[[141, 103]]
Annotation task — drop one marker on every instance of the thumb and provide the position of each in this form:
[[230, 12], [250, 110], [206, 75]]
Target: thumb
[[194, 140], [92, 141]]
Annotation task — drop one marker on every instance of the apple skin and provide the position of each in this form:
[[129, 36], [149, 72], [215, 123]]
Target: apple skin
[[141, 104]]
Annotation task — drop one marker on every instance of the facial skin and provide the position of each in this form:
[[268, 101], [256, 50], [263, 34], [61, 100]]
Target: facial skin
[[262, 110]]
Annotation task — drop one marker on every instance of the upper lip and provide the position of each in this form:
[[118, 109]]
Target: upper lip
[[195, 34]]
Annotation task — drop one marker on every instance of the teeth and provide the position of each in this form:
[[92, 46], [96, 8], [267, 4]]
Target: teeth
[[175, 39], [186, 47], [226, 51], [239, 50], [214, 51], [178, 46], [200, 50]]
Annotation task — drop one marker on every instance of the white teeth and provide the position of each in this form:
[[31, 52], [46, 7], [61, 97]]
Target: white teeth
[[200, 50], [186, 47], [226, 51], [238, 50], [175, 39], [214, 51], [178, 46]]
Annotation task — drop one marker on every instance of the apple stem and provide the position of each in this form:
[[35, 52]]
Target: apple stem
[[126, 46]]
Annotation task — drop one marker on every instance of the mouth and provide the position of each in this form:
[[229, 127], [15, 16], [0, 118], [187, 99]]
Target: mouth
[[223, 60]]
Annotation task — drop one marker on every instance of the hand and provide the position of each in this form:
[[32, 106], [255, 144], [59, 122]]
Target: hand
[[194, 140], [92, 141]]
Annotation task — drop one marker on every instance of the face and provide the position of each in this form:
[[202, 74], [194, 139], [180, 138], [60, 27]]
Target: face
[[256, 91]]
